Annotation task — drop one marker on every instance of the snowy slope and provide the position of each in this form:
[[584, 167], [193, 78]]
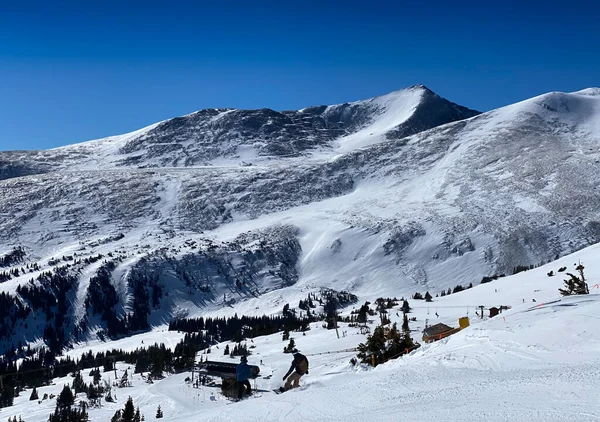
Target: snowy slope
[[399, 214], [537, 361]]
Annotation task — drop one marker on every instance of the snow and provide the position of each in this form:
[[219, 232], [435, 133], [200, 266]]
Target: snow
[[537, 361], [391, 110], [454, 198]]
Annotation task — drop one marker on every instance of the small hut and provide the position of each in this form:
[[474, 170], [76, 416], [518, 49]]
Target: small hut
[[438, 332]]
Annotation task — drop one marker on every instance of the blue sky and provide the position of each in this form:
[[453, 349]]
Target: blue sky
[[75, 71]]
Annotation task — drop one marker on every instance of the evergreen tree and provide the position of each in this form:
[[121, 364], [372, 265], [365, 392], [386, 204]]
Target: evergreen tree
[[34, 394], [405, 326], [124, 380], [427, 297], [97, 376], [226, 352], [137, 417], [159, 413], [362, 314], [78, 383], [405, 307], [64, 411], [68, 415], [371, 352], [128, 414], [65, 398], [575, 285]]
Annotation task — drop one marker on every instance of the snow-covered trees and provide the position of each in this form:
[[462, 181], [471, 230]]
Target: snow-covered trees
[[34, 394], [159, 413], [575, 285]]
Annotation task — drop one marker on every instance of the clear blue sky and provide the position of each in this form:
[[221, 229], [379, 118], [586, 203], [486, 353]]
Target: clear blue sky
[[75, 71]]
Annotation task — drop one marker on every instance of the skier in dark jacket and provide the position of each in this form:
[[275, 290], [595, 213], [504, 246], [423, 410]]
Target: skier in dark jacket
[[299, 367], [242, 372]]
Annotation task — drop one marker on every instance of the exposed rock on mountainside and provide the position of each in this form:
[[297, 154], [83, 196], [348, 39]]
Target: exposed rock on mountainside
[[379, 197]]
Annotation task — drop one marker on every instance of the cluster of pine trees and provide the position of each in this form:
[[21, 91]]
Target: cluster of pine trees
[[385, 343], [42, 367], [15, 256], [129, 413], [65, 410], [237, 328]]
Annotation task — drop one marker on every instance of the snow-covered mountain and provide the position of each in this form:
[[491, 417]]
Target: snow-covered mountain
[[401, 193], [242, 137]]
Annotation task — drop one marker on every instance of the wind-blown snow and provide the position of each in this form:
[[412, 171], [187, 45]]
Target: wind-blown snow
[[390, 111]]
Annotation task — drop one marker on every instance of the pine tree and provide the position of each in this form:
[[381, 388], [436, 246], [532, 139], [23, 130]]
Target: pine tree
[[64, 411], [226, 352], [575, 285], [405, 307], [371, 351], [124, 380], [427, 297], [34, 394], [65, 398], [405, 326], [78, 383], [137, 417], [159, 413], [97, 376], [128, 411]]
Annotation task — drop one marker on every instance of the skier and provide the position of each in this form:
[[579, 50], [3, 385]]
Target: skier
[[299, 367], [242, 372]]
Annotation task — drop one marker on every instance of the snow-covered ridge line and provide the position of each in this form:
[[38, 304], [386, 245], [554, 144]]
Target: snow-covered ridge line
[[246, 137]]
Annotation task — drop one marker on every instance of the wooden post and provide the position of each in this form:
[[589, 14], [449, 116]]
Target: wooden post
[[481, 307]]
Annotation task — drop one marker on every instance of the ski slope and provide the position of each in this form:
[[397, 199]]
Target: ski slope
[[538, 361]]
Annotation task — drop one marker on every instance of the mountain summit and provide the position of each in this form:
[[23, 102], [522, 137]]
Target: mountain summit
[[242, 137]]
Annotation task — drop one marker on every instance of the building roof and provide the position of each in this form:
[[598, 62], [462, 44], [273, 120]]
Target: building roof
[[436, 329]]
